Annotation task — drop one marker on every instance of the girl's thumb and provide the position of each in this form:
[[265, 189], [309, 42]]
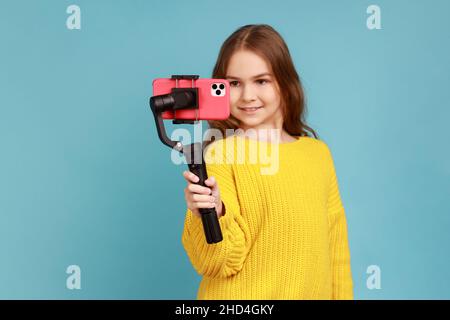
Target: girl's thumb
[[211, 181]]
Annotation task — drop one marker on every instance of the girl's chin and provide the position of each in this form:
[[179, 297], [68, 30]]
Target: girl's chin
[[245, 122]]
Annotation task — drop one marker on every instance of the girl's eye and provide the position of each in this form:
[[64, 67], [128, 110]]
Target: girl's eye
[[262, 81], [234, 83]]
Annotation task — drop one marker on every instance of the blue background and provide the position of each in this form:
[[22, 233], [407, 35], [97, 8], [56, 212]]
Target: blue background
[[85, 180]]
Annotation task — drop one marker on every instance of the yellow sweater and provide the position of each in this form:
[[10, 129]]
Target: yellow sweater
[[284, 230]]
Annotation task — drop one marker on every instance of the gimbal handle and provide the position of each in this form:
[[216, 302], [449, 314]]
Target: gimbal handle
[[210, 221]]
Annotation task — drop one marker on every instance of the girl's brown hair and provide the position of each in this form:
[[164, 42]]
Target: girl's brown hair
[[266, 42]]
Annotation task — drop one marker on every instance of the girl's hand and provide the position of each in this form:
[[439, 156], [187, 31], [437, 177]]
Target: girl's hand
[[198, 196]]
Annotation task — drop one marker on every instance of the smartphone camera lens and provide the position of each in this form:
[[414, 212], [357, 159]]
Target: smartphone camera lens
[[218, 89]]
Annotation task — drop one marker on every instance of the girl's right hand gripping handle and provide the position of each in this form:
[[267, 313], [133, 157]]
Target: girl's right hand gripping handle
[[211, 225]]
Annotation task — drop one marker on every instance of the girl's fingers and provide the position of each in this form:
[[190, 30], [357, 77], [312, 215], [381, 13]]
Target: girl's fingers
[[202, 198], [198, 196], [190, 176], [204, 205], [195, 188]]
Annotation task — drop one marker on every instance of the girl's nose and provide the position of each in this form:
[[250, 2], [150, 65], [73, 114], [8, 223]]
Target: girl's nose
[[248, 94]]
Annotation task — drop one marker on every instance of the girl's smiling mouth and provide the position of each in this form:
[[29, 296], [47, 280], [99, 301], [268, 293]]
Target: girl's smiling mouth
[[250, 110]]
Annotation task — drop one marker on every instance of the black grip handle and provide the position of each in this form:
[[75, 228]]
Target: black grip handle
[[211, 225]]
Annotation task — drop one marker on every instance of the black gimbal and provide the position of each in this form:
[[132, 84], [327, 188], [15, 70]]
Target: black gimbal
[[187, 98]]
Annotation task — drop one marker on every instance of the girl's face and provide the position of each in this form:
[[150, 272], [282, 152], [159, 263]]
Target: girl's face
[[252, 85]]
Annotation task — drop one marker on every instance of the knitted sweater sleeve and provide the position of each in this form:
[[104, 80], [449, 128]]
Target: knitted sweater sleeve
[[225, 258], [339, 247]]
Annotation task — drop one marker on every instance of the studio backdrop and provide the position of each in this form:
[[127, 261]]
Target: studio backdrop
[[91, 204]]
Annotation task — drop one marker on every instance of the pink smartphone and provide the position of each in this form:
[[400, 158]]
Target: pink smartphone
[[213, 98]]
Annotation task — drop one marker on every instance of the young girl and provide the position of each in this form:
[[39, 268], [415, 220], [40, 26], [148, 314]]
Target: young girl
[[285, 233]]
